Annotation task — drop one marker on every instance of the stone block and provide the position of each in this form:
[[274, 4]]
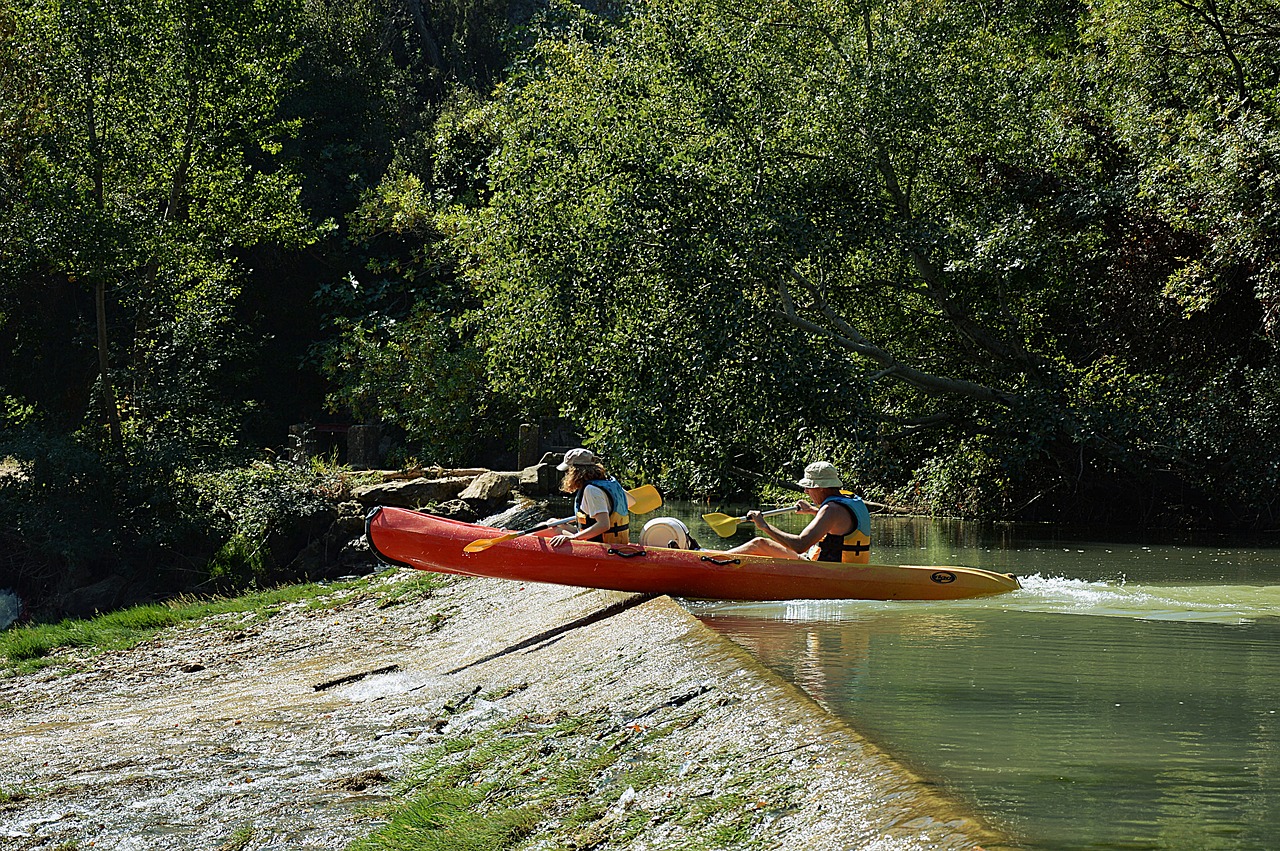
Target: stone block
[[489, 487], [540, 480], [412, 493], [365, 447]]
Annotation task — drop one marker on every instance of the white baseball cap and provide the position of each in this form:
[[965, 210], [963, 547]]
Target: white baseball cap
[[578, 458]]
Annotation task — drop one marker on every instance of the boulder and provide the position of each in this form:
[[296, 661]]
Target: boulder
[[542, 479], [355, 557], [412, 493], [342, 549], [489, 488], [456, 509], [346, 527]]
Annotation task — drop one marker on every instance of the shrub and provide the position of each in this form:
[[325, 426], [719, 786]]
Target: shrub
[[264, 514]]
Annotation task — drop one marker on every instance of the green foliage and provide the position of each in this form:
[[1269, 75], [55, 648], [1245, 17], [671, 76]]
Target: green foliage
[[417, 375], [150, 168], [399, 355], [256, 508], [965, 482], [71, 515], [616, 252], [1194, 90], [68, 510], [990, 293], [984, 258]]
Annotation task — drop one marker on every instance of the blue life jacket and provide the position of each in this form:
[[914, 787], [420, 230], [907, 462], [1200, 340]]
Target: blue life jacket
[[619, 517]]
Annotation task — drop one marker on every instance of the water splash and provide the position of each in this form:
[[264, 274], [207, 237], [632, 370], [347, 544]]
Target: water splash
[[1226, 604], [10, 608], [1221, 604]]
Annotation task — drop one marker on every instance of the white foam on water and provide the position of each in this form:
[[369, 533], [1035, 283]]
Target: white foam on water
[[1222, 604], [10, 608], [1225, 604]]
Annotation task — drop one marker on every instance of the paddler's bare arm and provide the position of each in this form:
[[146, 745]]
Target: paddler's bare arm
[[821, 524], [600, 526]]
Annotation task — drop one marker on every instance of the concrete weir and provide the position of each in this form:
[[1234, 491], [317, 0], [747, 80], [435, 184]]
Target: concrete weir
[[303, 730]]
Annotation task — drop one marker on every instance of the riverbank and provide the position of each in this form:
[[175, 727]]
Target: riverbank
[[587, 719]]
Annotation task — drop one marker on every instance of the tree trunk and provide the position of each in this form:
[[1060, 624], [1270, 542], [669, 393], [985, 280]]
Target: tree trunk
[[104, 370]]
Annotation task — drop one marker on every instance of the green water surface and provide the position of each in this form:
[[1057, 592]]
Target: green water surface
[[1127, 698]]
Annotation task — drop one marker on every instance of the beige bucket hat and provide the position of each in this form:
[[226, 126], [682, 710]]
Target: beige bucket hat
[[820, 474], [578, 458]]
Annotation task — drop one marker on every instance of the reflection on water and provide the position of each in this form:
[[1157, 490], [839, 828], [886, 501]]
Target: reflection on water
[[1126, 698]]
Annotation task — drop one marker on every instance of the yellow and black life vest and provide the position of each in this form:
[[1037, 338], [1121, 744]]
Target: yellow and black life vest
[[853, 547], [619, 517]]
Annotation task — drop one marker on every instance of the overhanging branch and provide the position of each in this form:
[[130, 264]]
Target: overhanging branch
[[840, 332]]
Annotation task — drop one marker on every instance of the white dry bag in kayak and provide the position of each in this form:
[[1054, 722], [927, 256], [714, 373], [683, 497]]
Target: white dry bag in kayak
[[667, 532]]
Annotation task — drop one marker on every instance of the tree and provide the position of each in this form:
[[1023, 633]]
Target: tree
[[153, 166], [701, 177], [926, 199], [387, 167], [1190, 88]]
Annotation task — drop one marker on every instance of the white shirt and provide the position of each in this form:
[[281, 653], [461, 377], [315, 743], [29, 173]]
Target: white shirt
[[595, 501]]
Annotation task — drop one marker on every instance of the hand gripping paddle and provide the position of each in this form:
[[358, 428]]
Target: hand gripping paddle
[[643, 500], [724, 525]]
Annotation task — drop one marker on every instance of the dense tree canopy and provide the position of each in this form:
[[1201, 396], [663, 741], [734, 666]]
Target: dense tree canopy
[[1014, 260], [930, 241], [145, 170]]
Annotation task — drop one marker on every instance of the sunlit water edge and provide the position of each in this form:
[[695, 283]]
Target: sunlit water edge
[[1222, 604], [1127, 697]]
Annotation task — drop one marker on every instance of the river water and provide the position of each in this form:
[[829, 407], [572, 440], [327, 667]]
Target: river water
[[1127, 698]]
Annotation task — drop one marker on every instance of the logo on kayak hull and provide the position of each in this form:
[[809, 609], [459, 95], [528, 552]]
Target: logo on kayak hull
[[943, 577]]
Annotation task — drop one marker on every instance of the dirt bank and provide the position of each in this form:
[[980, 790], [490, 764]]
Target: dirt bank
[[302, 731]]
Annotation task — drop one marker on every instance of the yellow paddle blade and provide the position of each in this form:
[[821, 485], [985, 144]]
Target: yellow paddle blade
[[722, 524], [646, 498], [484, 543]]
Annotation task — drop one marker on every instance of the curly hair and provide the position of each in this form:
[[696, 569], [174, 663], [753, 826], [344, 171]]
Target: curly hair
[[581, 475]]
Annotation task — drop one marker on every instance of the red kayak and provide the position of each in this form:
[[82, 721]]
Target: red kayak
[[426, 542]]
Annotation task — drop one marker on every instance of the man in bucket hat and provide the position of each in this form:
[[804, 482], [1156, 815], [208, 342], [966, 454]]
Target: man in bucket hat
[[840, 530]]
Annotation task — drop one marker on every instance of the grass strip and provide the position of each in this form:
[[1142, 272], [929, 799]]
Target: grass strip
[[451, 820], [28, 647]]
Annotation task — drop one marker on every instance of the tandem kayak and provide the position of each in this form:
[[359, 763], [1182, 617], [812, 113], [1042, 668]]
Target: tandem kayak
[[416, 539]]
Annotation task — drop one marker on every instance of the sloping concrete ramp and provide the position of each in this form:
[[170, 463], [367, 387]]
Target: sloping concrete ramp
[[290, 733]]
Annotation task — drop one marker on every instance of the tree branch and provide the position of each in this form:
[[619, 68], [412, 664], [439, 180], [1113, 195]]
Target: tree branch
[[1211, 17], [846, 336]]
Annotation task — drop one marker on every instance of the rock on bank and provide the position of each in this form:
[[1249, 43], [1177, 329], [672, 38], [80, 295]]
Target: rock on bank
[[291, 733]]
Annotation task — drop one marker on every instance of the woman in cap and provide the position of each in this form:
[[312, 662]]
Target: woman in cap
[[840, 530], [600, 505]]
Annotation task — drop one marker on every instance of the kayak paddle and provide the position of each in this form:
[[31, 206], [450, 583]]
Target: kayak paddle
[[643, 500], [724, 525]]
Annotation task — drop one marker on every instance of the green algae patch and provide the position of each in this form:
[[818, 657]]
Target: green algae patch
[[15, 795], [564, 782]]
